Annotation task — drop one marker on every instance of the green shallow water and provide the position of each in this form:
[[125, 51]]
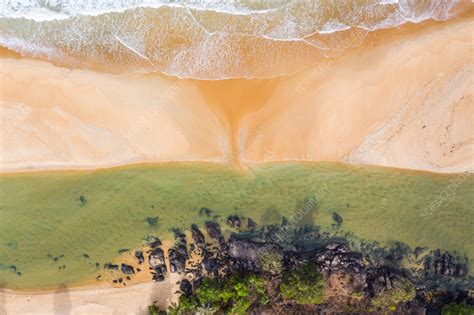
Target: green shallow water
[[42, 216]]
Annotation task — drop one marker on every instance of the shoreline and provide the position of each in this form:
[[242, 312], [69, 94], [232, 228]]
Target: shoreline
[[245, 167], [80, 119]]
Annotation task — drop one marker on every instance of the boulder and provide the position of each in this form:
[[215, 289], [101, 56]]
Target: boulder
[[156, 258], [214, 231], [198, 237], [139, 256], [186, 287], [242, 249], [234, 221], [444, 264], [127, 269], [110, 266], [251, 225], [177, 257]]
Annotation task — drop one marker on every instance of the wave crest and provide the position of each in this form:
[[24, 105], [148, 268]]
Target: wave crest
[[201, 39]]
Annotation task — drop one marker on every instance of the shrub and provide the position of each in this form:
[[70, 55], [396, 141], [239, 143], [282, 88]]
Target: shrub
[[304, 285], [154, 310], [208, 292], [402, 291], [458, 309], [234, 294], [272, 262]]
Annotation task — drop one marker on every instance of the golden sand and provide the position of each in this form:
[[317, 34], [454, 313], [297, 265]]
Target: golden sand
[[403, 99]]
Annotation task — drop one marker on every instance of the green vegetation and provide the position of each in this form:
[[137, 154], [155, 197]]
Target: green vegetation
[[304, 285], [154, 310], [402, 291], [42, 215], [458, 309], [233, 295], [272, 261]]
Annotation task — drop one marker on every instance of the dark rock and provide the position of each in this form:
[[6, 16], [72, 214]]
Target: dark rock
[[444, 264], [127, 269], [157, 263], [139, 256], [214, 231], [419, 251], [211, 265], [154, 242], [156, 258], [398, 251], [198, 237], [159, 274], [177, 257], [337, 218], [186, 287], [205, 211], [111, 266], [251, 225], [246, 252], [234, 221]]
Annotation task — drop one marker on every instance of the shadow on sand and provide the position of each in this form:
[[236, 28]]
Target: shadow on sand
[[62, 304]]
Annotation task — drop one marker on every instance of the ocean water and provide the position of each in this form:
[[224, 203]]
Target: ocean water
[[201, 39]]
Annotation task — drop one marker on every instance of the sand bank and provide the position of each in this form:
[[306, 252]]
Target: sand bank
[[403, 99], [133, 299]]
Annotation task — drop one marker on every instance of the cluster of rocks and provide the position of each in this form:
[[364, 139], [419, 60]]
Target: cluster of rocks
[[444, 264], [372, 270], [156, 260], [126, 269]]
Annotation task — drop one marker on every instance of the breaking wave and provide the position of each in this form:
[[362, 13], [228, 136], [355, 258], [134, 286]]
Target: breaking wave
[[200, 39]]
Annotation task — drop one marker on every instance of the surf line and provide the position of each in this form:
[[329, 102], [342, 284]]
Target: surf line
[[134, 50]]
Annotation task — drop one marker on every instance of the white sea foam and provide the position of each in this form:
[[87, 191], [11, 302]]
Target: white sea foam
[[195, 38]]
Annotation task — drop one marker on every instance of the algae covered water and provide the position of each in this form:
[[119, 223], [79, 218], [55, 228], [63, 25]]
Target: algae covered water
[[56, 226]]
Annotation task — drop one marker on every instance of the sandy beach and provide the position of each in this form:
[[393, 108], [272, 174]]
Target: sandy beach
[[133, 299], [342, 109]]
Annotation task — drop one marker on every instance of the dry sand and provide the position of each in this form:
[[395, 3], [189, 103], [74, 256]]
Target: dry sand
[[403, 99], [93, 300]]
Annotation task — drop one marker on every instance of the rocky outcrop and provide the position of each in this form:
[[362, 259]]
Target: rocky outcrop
[[234, 221], [139, 256], [444, 264], [157, 263], [198, 237], [214, 231], [186, 287], [177, 258], [371, 271], [127, 269]]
